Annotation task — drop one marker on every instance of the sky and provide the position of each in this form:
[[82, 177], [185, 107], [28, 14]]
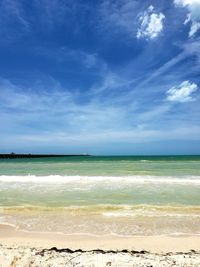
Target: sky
[[104, 77]]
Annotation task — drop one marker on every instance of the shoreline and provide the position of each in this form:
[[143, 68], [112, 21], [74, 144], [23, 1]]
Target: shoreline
[[10, 236], [18, 248]]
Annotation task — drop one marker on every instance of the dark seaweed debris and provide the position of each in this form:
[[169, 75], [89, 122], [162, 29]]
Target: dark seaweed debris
[[100, 251]]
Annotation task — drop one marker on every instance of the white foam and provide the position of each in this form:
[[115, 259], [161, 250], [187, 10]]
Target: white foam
[[58, 179], [149, 214]]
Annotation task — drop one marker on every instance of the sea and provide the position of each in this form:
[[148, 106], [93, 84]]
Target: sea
[[102, 195]]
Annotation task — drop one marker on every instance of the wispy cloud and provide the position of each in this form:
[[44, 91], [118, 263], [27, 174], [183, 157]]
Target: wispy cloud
[[151, 24], [193, 16], [52, 13], [189, 50], [63, 54], [182, 92], [36, 17], [119, 15], [42, 117], [12, 13], [57, 107]]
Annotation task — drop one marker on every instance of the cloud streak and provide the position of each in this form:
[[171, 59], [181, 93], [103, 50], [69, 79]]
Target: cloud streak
[[119, 15]]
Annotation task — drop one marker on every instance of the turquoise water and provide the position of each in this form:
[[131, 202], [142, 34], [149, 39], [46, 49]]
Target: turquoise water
[[127, 195], [104, 166]]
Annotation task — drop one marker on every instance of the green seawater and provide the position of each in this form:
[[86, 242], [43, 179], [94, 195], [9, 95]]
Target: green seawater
[[92, 180], [124, 195], [104, 166]]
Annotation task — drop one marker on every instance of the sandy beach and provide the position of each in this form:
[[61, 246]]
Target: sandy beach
[[20, 248], [21, 256]]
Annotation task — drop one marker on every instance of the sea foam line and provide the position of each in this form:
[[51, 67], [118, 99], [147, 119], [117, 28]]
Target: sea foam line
[[110, 234], [58, 179]]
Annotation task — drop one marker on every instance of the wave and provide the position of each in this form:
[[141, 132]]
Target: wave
[[108, 209], [58, 179], [99, 220]]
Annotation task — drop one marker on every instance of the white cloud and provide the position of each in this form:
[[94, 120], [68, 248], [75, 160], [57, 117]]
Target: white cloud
[[194, 28], [193, 16], [182, 93], [151, 24]]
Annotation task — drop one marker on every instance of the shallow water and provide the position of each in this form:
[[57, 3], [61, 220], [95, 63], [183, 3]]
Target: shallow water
[[103, 166], [102, 195]]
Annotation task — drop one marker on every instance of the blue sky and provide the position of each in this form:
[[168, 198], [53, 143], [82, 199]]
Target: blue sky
[[100, 76]]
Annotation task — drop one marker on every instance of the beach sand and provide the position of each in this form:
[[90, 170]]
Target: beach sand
[[19, 248]]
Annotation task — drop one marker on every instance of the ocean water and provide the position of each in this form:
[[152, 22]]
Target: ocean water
[[102, 195]]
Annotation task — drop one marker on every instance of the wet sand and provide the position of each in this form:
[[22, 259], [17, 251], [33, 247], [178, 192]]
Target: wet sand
[[10, 236]]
